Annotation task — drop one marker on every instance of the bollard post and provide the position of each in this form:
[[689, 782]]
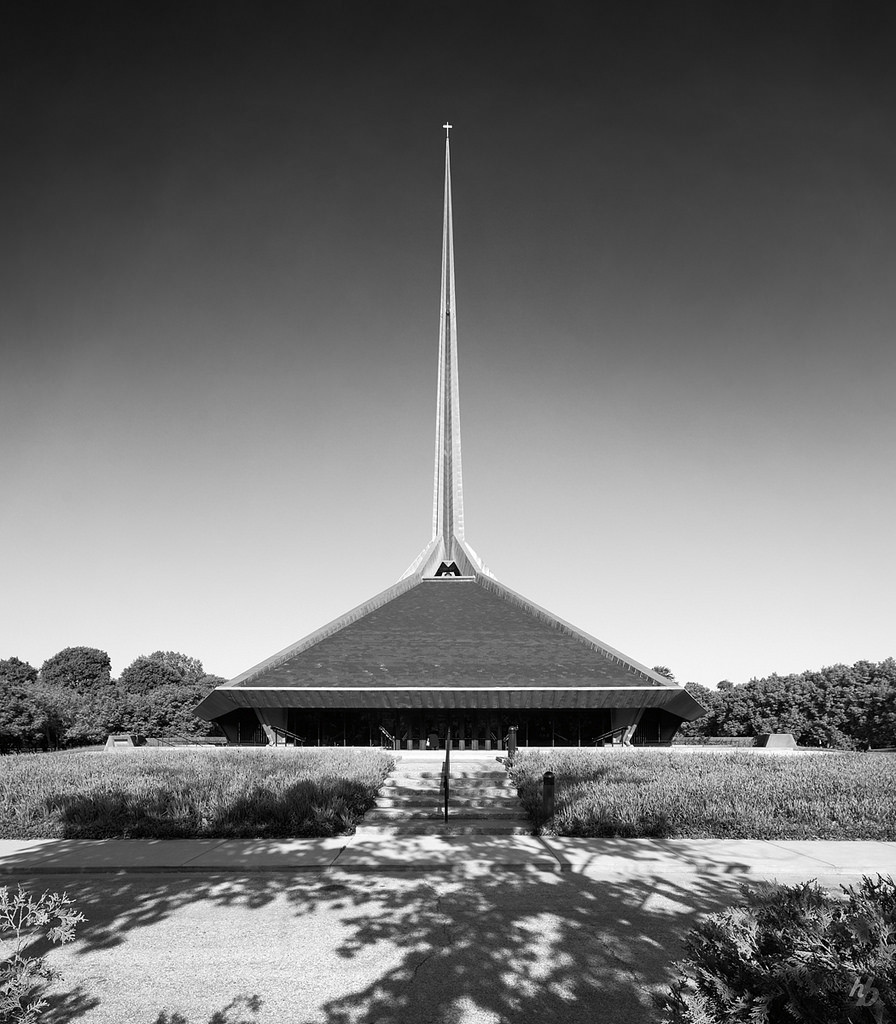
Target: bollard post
[[511, 742], [547, 798]]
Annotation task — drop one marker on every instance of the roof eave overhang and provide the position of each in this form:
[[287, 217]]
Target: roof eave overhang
[[225, 699], [685, 706]]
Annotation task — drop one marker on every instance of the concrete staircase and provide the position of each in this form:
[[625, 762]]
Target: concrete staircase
[[483, 801]]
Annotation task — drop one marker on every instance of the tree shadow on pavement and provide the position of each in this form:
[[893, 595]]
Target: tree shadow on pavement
[[240, 1010], [379, 948], [68, 1005], [522, 948]]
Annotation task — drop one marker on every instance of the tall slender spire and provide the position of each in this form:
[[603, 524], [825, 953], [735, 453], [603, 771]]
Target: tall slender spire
[[447, 549], [448, 497]]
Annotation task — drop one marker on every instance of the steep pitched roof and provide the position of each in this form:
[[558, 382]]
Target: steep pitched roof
[[455, 635]]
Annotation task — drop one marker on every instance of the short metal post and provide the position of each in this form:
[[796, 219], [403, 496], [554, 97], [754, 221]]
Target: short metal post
[[547, 798], [511, 741]]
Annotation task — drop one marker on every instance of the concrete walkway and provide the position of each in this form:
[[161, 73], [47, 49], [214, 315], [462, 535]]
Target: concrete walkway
[[409, 930], [596, 858]]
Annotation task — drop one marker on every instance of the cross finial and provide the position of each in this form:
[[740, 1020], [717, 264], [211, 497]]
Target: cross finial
[[447, 128]]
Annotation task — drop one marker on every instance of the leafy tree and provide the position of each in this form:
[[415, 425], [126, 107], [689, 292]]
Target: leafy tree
[[72, 701], [17, 671], [165, 668], [168, 711], [857, 702], [77, 668], [71, 686], [23, 718], [163, 689], [189, 669], [664, 671], [145, 674], [79, 719], [839, 706]]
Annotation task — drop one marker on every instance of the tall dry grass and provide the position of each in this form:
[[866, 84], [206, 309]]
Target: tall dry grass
[[185, 794], [736, 795]]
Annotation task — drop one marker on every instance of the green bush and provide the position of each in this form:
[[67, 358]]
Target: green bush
[[792, 953], [699, 795], [167, 794], [23, 919]]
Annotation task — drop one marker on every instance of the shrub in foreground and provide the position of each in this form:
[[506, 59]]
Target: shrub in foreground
[[24, 918], [167, 794], [792, 953], [736, 795]]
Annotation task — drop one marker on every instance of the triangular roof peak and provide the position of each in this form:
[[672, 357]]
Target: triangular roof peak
[[447, 553], [476, 636]]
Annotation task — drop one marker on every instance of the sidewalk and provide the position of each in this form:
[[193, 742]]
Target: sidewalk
[[595, 858]]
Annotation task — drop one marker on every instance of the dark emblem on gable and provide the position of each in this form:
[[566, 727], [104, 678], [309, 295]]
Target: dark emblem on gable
[[448, 570]]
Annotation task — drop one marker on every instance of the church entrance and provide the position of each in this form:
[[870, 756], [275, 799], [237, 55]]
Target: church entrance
[[427, 729]]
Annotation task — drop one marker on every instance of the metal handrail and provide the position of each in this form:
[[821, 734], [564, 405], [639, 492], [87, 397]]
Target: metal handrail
[[446, 774], [607, 735], [278, 729], [389, 737]]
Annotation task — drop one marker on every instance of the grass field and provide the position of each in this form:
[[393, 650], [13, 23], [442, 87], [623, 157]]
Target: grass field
[[724, 795], [186, 794]]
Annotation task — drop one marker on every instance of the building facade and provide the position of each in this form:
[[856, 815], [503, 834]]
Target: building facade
[[448, 650]]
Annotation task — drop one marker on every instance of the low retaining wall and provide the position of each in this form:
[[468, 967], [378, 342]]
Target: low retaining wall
[[715, 741]]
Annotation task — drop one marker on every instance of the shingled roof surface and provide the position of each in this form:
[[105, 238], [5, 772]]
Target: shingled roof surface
[[451, 633]]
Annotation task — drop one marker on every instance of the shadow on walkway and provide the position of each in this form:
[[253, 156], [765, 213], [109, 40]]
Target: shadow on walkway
[[241, 1010], [68, 1005], [384, 949]]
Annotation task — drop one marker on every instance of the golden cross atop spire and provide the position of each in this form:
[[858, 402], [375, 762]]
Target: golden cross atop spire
[[447, 128]]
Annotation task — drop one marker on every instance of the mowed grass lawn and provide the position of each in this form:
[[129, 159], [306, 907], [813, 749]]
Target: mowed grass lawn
[[661, 793], [171, 794]]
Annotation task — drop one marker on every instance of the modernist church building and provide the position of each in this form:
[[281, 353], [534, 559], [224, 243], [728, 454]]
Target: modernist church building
[[448, 650]]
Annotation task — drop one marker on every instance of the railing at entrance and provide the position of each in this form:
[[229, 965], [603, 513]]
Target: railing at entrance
[[457, 743], [287, 735], [389, 738], [446, 773], [608, 735]]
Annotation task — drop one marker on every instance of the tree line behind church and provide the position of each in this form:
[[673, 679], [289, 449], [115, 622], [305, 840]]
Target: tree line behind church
[[846, 707], [72, 700]]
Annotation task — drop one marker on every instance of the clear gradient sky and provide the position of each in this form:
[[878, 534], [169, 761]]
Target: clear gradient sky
[[675, 230]]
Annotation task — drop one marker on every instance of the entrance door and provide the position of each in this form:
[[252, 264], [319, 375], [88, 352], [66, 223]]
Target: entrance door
[[594, 722], [566, 729], [332, 729]]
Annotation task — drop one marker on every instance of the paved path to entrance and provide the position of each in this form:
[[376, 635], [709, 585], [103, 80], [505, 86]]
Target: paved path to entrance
[[464, 855], [458, 930]]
